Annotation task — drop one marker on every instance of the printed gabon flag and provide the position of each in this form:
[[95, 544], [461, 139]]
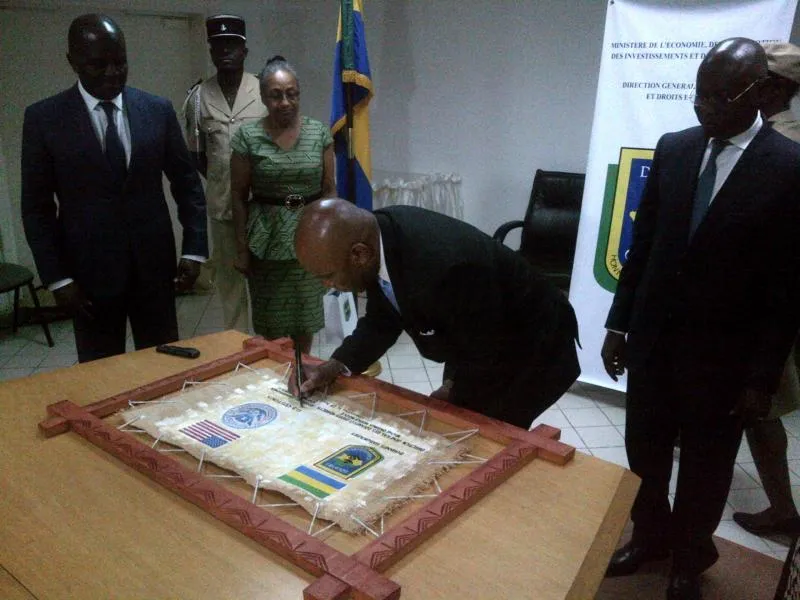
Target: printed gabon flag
[[312, 481], [351, 70]]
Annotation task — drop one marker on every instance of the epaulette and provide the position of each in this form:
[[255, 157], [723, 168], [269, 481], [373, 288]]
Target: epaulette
[[192, 118], [195, 85]]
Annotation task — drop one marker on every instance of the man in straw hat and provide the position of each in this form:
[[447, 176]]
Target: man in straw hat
[[767, 438]]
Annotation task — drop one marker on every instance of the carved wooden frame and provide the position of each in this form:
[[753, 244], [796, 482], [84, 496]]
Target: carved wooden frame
[[338, 575]]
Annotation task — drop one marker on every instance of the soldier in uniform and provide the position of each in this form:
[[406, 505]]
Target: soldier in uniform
[[214, 110]]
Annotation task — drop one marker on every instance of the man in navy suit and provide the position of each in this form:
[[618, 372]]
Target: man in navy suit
[[93, 203], [706, 310]]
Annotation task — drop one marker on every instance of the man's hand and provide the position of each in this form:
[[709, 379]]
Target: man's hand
[[242, 262], [188, 271], [71, 298], [613, 354], [317, 377], [752, 406], [443, 393]]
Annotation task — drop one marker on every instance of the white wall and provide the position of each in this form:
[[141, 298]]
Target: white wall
[[491, 91]]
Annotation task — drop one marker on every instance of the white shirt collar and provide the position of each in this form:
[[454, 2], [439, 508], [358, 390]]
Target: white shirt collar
[[383, 272], [742, 140], [92, 102]]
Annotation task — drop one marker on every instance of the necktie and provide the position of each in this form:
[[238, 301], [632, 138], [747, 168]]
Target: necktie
[[115, 153], [388, 291], [705, 185]]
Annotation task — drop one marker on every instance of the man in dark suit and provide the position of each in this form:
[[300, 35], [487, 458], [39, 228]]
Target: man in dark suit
[[708, 299], [507, 335], [106, 248]]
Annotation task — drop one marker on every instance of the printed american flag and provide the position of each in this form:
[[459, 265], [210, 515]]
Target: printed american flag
[[209, 433]]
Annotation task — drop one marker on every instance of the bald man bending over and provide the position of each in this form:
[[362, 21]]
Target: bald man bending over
[[506, 334]]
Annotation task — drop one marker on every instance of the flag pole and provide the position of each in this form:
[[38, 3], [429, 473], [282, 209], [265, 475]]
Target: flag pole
[[347, 22], [351, 157]]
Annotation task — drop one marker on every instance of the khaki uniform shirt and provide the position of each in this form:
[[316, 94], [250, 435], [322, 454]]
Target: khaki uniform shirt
[[210, 125], [785, 123]]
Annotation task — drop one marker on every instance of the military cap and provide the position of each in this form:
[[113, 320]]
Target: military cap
[[784, 59], [225, 26]]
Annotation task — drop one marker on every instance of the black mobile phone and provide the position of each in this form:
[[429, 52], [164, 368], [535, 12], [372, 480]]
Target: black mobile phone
[[182, 351]]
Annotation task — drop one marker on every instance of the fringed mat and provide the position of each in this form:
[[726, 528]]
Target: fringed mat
[[332, 456]]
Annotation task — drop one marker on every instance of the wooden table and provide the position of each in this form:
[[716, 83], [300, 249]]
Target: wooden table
[[76, 523]]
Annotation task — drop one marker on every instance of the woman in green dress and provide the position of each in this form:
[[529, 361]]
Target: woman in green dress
[[279, 164]]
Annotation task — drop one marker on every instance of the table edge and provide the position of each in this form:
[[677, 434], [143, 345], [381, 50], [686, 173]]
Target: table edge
[[590, 575]]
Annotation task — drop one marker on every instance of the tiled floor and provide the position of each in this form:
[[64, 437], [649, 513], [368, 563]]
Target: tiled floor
[[590, 418]]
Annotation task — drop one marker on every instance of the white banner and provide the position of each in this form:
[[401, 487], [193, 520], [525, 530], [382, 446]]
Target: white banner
[[651, 52]]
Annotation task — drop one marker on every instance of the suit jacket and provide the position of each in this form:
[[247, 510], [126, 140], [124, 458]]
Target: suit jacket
[[464, 298], [730, 295], [99, 235]]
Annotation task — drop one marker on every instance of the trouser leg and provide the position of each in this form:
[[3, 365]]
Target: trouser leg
[[103, 334], [768, 445], [539, 384], [708, 381], [517, 390], [153, 314], [708, 455], [231, 285], [650, 429]]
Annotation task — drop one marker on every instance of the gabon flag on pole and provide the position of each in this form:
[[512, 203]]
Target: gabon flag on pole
[[352, 90]]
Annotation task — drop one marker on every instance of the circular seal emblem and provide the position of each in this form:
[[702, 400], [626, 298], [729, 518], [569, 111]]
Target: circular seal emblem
[[249, 416]]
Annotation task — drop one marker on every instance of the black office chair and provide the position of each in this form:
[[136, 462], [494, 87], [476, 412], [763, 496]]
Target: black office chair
[[550, 227], [12, 279]]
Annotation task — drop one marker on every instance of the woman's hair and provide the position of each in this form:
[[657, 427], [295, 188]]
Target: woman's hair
[[275, 64]]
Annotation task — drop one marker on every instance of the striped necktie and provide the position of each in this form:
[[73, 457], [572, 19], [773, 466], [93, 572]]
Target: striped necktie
[[388, 291], [705, 185]]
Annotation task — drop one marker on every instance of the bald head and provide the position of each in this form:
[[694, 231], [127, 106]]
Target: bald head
[[96, 52], [88, 29], [736, 58], [339, 243], [728, 83], [332, 223]]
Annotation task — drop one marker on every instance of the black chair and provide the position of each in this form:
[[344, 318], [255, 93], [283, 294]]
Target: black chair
[[12, 278], [550, 228]]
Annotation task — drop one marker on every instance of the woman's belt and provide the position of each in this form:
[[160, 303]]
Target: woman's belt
[[292, 201]]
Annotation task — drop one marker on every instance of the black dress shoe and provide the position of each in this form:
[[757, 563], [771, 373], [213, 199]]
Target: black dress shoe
[[683, 586], [751, 523], [628, 559]]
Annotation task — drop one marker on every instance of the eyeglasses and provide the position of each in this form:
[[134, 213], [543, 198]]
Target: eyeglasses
[[99, 67], [290, 95], [717, 103]]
